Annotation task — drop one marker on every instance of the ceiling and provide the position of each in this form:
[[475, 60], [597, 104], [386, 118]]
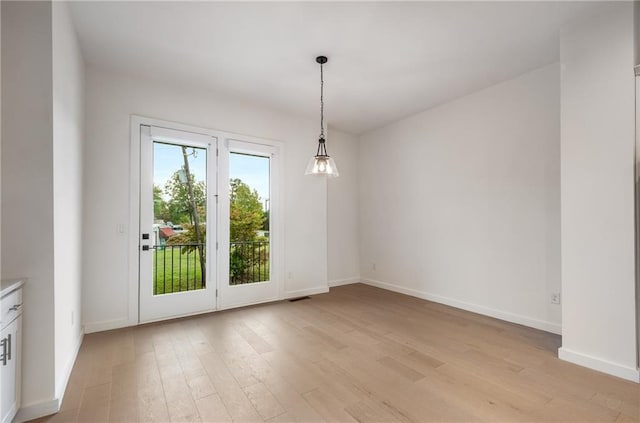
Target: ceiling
[[387, 60]]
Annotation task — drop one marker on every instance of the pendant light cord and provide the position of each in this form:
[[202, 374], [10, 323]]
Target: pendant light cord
[[321, 103]]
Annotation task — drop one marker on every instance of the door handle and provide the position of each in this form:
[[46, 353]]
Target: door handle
[[3, 357], [9, 347], [147, 248]]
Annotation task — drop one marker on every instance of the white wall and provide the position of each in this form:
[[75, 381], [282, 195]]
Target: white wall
[[636, 38], [41, 190], [111, 100], [68, 128], [27, 186], [0, 156], [343, 238], [598, 274], [1, 413], [460, 204]]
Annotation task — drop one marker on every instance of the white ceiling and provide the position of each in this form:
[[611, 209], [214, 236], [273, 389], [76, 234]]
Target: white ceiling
[[386, 60]]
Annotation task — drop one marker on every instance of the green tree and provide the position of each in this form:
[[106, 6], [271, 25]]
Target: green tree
[[160, 210], [188, 238], [246, 216], [178, 208]]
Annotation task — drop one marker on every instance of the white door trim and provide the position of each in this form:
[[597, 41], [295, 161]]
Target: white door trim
[[134, 201], [637, 213]]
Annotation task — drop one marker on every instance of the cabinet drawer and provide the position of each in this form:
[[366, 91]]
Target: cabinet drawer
[[11, 306]]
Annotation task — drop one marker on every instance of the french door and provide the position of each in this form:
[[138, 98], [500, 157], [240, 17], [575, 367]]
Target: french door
[[210, 221], [249, 222], [178, 182]]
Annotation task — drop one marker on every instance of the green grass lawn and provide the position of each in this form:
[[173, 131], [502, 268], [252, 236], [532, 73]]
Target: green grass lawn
[[176, 272]]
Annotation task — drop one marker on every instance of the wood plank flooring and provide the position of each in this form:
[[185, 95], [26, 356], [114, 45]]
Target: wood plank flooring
[[357, 353]]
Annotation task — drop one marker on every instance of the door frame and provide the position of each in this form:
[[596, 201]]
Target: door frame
[[636, 169], [133, 242]]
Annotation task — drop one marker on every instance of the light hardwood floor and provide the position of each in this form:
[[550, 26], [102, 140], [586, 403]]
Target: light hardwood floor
[[356, 354]]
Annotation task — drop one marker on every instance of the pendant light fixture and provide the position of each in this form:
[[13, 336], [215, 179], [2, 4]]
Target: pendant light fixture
[[322, 163]]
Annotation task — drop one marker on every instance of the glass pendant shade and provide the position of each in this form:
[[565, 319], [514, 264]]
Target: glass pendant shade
[[322, 165]]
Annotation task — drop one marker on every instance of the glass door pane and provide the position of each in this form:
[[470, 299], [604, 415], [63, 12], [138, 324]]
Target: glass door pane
[[249, 236], [179, 218]]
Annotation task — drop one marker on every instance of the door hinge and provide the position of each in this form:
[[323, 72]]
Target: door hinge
[[216, 292], [216, 245], [217, 152]]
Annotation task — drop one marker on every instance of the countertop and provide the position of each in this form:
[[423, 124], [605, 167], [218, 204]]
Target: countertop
[[9, 285]]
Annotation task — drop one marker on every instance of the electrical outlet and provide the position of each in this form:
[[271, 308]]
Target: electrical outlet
[[555, 298], [373, 267]]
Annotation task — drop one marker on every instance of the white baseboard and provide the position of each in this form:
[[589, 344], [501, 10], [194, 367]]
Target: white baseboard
[[62, 385], [37, 410], [305, 292], [10, 414], [475, 308], [46, 408], [604, 366], [106, 325], [340, 282]]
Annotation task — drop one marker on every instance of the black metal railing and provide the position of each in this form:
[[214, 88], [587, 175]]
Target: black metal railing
[[248, 262], [178, 268]]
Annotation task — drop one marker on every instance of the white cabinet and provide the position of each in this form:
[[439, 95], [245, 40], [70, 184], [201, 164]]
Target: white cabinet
[[10, 348], [10, 362]]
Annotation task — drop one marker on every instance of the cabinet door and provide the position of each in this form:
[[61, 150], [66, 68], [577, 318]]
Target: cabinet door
[[10, 369]]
